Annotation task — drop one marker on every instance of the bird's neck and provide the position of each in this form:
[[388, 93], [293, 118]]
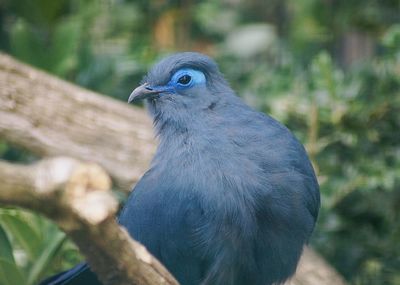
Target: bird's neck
[[203, 134]]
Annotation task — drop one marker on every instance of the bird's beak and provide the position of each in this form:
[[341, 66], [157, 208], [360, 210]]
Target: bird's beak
[[142, 92]]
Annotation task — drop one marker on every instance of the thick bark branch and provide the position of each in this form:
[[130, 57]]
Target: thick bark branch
[[51, 117], [77, 197], [313, 270]]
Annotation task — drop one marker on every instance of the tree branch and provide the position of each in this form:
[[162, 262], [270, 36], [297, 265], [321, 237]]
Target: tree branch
[[51, 117], [77, 197], [314, 270]]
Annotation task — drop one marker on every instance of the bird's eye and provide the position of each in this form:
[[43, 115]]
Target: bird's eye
[[185, 79]]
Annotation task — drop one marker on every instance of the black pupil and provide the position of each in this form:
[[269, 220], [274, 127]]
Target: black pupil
[[185, 79]]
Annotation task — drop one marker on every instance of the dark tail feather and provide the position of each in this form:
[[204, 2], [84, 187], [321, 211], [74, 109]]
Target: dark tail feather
[[78, 275]]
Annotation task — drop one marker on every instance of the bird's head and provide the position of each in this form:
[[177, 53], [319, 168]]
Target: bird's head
[[180, 85]]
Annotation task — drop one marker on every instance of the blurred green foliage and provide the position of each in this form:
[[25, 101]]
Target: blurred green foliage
[[330, 70], [31, 248]]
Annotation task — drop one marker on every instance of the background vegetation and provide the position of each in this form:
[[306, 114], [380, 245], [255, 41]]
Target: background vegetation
[[328, 69]]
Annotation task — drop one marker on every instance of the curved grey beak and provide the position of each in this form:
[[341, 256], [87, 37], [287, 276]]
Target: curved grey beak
[[142, 92]]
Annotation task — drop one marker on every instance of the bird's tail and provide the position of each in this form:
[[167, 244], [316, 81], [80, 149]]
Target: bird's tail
[[78, 275]]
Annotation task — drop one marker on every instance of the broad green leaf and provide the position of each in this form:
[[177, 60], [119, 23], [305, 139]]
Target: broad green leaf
[[50, 250], [10, 273], [23, 233], [6, 249], [65, 45], [25, 46]]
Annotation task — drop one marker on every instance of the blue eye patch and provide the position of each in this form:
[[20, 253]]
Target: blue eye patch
[[187, 77]]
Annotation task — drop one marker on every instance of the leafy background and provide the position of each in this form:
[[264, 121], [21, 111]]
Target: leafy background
[[329, 69]]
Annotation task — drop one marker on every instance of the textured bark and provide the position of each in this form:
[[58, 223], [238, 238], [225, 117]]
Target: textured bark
[[49, 117], [314, 270], [78, 198]]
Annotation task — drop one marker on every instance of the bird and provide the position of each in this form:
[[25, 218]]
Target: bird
[[230, 197]]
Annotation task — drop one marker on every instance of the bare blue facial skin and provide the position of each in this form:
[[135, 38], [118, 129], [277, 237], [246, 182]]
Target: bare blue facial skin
[[187, 78], [181, 80]]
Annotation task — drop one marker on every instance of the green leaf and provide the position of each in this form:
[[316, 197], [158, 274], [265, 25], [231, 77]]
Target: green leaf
[[65, 44], [50, 250], [23, 233], [25, 46], [6, 252], [10, 273]]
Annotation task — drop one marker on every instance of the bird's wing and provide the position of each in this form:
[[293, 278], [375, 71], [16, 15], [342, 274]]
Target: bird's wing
[[163, 220]]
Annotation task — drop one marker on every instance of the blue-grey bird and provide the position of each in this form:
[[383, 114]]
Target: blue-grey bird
[[231, 197]]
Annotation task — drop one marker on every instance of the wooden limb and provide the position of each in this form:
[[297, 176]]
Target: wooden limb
[[77, 197], [313, 270], [51, 117]]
